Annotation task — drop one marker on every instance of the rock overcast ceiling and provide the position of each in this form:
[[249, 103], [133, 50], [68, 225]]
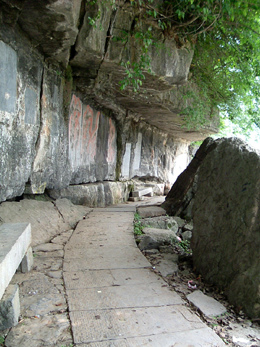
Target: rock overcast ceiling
[[60, 30]]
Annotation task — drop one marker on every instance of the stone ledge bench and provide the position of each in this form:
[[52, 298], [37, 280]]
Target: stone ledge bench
[[15, 253], [138, 194]]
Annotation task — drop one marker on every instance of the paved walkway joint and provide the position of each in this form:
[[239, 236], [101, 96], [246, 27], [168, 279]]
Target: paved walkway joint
[[114, 297]]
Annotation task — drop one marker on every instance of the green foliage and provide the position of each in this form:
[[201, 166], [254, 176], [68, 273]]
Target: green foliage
[[226, 65], [185, 246], [93, 20], [138, 227], [226, 62], [196, 143], [135, 71], [2, 340], [68, 73], [196, 108]]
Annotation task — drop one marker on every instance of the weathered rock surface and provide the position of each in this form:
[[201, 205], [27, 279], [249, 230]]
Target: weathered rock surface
[[168, 264], [147, 242], [162, 236], [62, 126], [43, 215], [44, 319], [99, 194], [162, 222], [182, 192], [226, 234], [52, 330]]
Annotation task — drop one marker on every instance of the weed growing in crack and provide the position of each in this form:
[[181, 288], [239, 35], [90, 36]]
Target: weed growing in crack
[[182, 245], [138, 227], [185, 246]]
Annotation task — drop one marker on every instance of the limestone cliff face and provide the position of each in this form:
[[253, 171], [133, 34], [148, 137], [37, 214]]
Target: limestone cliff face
[[61, 31], [64, 119]]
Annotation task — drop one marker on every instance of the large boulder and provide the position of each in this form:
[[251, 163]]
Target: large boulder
[[226, 234], [182, 191]]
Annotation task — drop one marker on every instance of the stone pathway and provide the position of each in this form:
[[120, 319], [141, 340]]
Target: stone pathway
[[115, 298]]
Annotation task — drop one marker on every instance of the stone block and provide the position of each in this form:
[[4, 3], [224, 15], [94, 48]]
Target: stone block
[[99, 194], [141, 192], [161, 235], [207, 305], [27, 262], [9, 307], [151, 211], [161, 222], [134, 199], [8, 74], [126, 161], [15, 240]]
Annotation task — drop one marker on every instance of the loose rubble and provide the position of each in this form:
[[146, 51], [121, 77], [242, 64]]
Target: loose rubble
[[172, 260]]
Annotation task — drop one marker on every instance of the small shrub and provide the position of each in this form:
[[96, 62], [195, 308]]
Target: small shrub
[[138, 227], [185, 246]]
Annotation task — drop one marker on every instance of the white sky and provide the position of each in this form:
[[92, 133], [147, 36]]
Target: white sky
[[232, 130]]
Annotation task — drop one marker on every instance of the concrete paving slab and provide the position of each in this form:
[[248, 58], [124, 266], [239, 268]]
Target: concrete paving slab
[[126, 261], [107, 227], [106, 278], [119, 208], [107, 252], [113, 217], [204, 337], [138, 295], [115, 299], [208, 305], [90, 240], [98, 325]]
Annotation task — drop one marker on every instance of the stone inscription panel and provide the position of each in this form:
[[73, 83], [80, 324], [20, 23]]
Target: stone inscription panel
[[8, 77], [30, 106], [92, 141]]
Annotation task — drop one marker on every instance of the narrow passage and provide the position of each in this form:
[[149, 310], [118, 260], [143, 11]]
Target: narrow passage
[[114, 297]]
